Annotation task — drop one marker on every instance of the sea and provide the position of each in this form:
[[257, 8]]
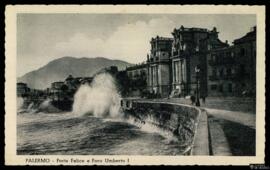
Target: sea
[[72, 134]]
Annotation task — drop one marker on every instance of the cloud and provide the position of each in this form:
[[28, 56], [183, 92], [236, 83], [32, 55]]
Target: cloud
[[130, 42]]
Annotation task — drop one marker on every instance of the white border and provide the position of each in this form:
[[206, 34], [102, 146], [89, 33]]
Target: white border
[[10, 85]]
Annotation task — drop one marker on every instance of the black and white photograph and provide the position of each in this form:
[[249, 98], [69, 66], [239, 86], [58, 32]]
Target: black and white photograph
[[177, 85]]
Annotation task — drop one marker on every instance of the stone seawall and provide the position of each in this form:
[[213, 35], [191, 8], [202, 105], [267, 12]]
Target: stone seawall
[[46, 106], [180, 120]]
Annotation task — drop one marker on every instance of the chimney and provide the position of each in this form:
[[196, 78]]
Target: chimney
[[214, 29]]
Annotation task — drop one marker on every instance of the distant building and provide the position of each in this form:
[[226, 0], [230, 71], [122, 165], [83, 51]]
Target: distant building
[[22, 89], [56, 86], [112, 70], [73, 83], [136, 71], [158, 66], [57, 91], [137, 79]]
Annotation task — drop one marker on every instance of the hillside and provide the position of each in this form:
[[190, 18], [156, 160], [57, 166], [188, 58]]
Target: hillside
[[59, 69]]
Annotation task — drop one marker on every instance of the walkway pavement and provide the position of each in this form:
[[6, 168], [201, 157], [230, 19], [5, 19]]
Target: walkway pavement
[[242, 118], [232, 124]]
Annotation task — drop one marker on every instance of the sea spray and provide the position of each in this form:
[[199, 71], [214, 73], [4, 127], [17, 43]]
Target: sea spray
[[45, 104], [31, 108], [101, 98], [47, 107], [20, 103], [147, 126]]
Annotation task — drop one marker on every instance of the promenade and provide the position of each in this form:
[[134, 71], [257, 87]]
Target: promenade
[[231, 124]]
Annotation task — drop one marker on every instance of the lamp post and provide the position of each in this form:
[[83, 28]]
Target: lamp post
[[197, 71]]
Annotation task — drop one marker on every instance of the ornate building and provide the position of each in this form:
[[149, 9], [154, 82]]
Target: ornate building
[[224, 70], [158, 66], [187, 53]]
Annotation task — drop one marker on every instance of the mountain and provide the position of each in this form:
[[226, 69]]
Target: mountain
[[59, 69]]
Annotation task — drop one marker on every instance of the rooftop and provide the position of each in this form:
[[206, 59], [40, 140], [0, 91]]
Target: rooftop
[[136, 66], [248, 37], [161, 38], [194, 29]]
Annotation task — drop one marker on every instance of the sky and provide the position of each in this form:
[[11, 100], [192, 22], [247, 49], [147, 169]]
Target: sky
[[42, 38]]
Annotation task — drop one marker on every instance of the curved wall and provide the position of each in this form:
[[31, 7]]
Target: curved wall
[[181, 120]]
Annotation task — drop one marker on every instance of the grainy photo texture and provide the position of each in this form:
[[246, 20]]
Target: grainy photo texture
[[154, 84]]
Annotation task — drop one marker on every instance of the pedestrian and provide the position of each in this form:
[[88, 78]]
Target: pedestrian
[[192, 98], [203, 99]]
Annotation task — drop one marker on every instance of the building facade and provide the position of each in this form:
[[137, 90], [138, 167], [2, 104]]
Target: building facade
[[188, 53], [136, 75], [158, 66], [221, 72], [136, 71], [224, 70], [232, 70]]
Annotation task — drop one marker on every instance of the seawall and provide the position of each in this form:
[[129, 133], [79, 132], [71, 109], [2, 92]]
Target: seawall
[[187, 123], [46, 105]]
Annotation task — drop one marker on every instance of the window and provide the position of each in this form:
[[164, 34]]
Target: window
[[228, 54], [209, 47], [242, 52], [230, 87], [130, 74], [220, 88], [221, 72], [229, 71], [232, 54], [242, 69], [214, 72], [213, 87], [233, 71]]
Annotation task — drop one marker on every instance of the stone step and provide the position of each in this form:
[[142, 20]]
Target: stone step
[[218, 142]]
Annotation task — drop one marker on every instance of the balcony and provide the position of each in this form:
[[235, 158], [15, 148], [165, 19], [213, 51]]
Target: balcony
[[223, 77], [224, 61]]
